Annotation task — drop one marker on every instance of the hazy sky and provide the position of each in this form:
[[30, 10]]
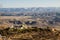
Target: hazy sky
[[29, 3]]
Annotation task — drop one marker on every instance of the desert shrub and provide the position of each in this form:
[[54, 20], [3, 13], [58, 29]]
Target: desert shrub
[[40, 29], [10, 30], [4, 32], [34, 29]]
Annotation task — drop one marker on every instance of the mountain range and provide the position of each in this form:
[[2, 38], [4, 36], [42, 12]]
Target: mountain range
[[34, 11]]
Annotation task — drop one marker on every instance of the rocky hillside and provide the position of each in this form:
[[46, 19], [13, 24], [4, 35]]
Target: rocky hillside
[[31, 34]]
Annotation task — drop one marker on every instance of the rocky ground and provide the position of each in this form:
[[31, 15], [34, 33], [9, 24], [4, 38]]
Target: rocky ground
[[32, 34]]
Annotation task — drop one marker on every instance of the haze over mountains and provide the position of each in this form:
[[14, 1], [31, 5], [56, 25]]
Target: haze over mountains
[[28, 11], [33, 9]]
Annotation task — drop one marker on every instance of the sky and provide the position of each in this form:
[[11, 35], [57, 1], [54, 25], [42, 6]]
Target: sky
[[29, 3]]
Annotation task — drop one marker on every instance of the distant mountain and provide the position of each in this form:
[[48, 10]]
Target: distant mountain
[[48, 13], [34, 11]]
